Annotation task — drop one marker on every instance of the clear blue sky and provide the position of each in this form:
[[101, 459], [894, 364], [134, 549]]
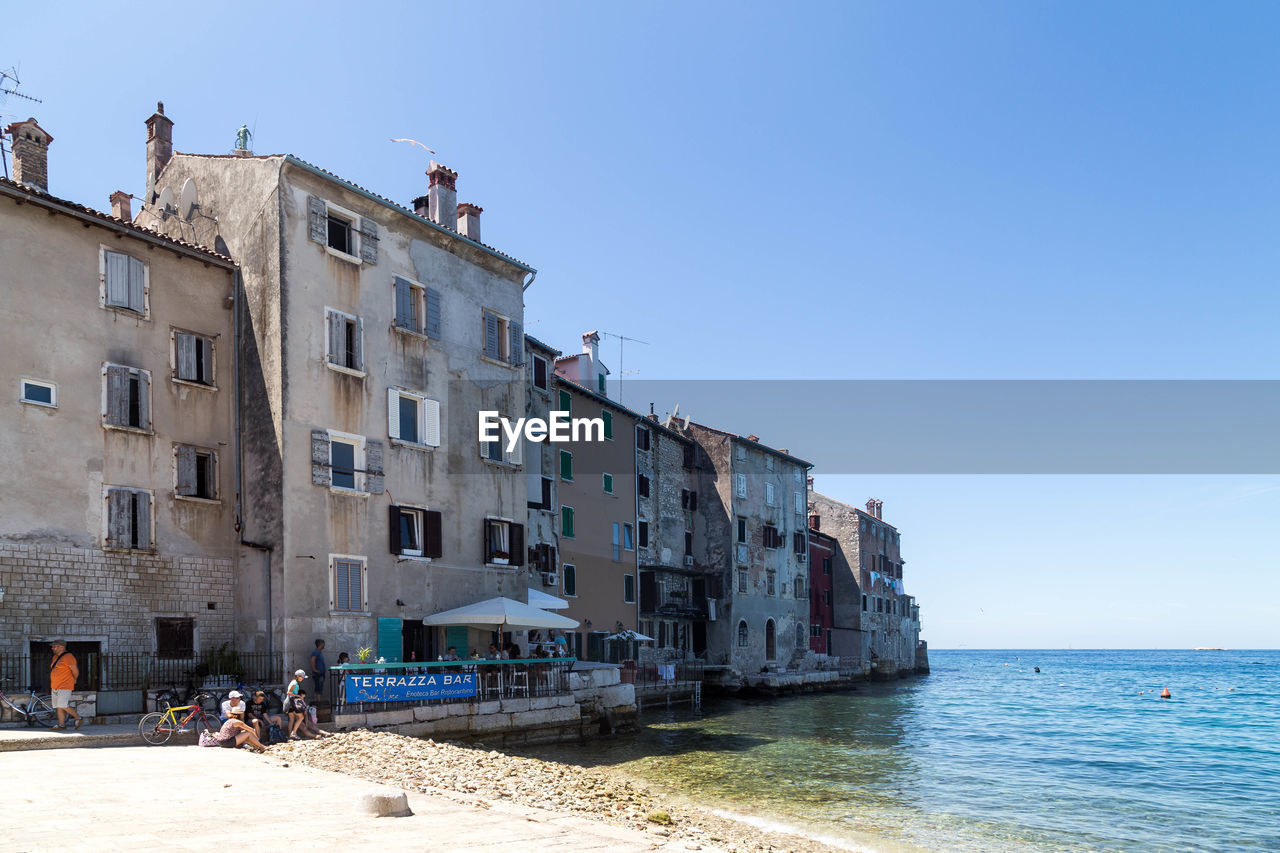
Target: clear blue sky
[[818, 190]]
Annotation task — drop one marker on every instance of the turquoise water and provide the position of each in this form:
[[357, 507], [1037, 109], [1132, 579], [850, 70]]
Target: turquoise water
[[985, 754]]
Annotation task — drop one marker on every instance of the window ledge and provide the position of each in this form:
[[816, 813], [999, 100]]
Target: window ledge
[[506, 566], [198, 500], [416, 558], [115, 550], [191, 383], [501, 464], [135, 430], [413, 333], [354, 493], [508, 365], [412, 445], [546, 392], [338, 368], [350, 613], [145, 316], [38, 403], [343, 256]]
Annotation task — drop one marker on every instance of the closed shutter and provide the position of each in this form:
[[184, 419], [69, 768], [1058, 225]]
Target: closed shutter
[[373, 467], [432, 534], [143, 534], [390, 640], [800, 503], [186, 470], [405, 315], [117, 518], [341, 587], [768, 494], [608, 424], [517, 344], [566, 465], [516, 456], [565, 402], [144, 400], [566, 521], [393, 520], [186, 346], [320, 474], [431, 423], [741, 486], [318, 219], [116, 411], [393, 413], [434, 315], [337, 337], [518, 555], [357, 348], [117, 274], [206, 363], [486, 546], [368, 240], [491, 348], [137, 285]]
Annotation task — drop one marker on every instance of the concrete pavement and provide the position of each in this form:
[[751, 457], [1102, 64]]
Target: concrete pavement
[[184, 797]]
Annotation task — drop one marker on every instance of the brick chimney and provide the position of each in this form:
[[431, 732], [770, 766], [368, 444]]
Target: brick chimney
[[815, 521], [442, 195], [159, 147], [469, 220], [422, 207], [121, 206], [30, 154]]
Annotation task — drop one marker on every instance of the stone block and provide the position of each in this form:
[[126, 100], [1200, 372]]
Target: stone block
[[619, 694], [516, 704], [491, 707], [383, 802], [346, 722], [389, 718], [427, 713], [490, 723]]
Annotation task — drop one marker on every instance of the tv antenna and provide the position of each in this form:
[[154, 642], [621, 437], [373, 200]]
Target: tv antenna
[[622, 340], [9, 84]]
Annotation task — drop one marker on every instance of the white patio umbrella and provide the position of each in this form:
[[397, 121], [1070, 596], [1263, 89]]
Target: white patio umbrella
[[542, 601], [500, 611], [630, 635]]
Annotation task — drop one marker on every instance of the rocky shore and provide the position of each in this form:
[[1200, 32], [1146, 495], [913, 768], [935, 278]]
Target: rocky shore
[[480, 776]]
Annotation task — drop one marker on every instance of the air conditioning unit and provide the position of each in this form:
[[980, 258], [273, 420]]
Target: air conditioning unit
[[802, 558], [550, 578], [688, 560]]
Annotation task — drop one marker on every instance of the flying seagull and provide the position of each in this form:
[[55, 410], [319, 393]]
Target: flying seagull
[[413, 142]]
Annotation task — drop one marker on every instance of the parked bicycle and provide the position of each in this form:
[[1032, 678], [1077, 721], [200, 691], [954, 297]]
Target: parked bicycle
[[158, 727], [37, 710]]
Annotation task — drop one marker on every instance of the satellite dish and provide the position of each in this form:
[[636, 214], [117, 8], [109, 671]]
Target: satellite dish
[[187, 201], [165, 202]]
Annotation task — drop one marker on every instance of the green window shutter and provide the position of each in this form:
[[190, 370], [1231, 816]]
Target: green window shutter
[[566, 465], [566, 521], [602, 385], [564, 402], [608, 424], [608, 484], [390, 645]]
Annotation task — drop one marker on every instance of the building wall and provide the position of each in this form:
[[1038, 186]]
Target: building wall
[[540, 461], [821, 597], [52, 504]]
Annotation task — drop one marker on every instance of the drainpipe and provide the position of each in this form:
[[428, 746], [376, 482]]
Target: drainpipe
[[528, 284]]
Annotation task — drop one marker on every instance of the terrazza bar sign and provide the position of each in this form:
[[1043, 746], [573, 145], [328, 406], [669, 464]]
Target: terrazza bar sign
[[558, 427], [400, 688]]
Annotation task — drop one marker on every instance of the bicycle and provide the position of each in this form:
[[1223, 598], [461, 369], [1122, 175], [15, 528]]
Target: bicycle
[[158, 727], [38, 711]]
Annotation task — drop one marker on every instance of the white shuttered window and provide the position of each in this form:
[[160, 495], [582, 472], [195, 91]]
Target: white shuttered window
[[413, 418]]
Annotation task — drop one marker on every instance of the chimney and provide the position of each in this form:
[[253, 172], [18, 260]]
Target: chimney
[[591, 346], [871, 507], [469, 220], [159, 147], [442, 195], [30, 154], [879, 508], [121, 206], [422, 207], [754, 438], [815, 521], [809, 482]]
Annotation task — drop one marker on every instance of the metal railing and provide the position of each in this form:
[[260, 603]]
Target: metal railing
[[659, 672], [495, 679]]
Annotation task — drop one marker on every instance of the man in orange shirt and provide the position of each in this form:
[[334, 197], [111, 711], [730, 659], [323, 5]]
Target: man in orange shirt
[[63, 673]]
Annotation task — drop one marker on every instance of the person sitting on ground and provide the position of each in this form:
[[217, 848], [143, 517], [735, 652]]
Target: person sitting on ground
[[236, 732], [235, 699], [306, 724], [258, 714]]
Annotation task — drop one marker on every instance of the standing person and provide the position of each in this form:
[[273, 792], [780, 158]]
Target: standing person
[[318, 667], [63, 673]]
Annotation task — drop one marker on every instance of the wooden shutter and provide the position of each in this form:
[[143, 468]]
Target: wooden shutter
[[517, 344], [607, 416], [117, 518], [393, 413], [337, 337], [117, 395], [434, 316], [206, 364], [491, 348], [516, 456], [320, 469], [430, 429], [566, 521], [357, 355], [373, 467], [432, 534], [341, 590], [405, 315], [515, 542], [143, 533], [318, 215], [144, 399], [137, 285], [368, 240], [566, 465], [768, 494], [741, 486], [546, 493], [485, 549], [186, 352], [117, 274], [186, 457], [393, 519]]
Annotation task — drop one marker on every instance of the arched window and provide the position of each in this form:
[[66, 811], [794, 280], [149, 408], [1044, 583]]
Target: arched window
[[800, 635], [770, 641], [742, 634]]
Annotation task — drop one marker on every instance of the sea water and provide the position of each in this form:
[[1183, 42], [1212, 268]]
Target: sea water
[[985, 754]]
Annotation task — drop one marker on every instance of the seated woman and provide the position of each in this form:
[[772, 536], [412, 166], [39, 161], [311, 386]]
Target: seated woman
[[303, 722], [236, 732]]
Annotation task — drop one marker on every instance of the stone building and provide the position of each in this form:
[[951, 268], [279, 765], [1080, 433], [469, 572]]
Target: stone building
[[542, 532], [753, 501], [373, 334], [117, 510], [874, 617], [824, 552]]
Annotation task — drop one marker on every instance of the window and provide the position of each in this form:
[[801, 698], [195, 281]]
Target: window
[[39, 393], [798, 540], [800, 593], [800, 638], [129, 519], [642, 438], [628, 537], [688, 544], [741, 452], [768, 495], [768, 463], [344, 233], [503, 543], [126, 398], [688, 499], [629, 589], [339, 234], [616, 553], [496, 450], [539, 372], [815, 630], [644, 534], [175, 638], [570, 580], [344, 341], [742, 634], [417, 308], [772, 539], [744, 581], [740, 485], [742, 530], [687, 460], [826, 565], [566, 521], [416, 532], [642, 485], [798, 498], [125, 283], [412, 418], [191, 357], [343, 452], [196, 474], [543, 484], [826, 597], [797, 475], [503, 339], [600, 383], [542, 558], [864, 604], [770, 583], [566, 466], [346, 584], [565, 402], [608, 423], [346, 462], [608, 483]]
